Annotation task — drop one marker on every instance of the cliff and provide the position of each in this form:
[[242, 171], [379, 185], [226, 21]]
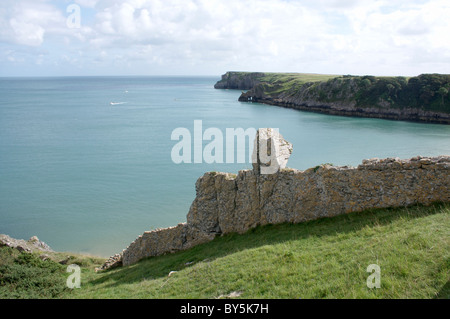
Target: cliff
[[230, 203], [239, 80], [424, 98]]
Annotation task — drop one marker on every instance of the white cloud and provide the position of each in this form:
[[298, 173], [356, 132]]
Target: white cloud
[[212, 36], [26, 22], [206, 30], [87, 3]]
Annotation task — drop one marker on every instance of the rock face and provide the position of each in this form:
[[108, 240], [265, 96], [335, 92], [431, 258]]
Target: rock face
[[271, 152], [239, 80], [32, 245], [344, 108], [229, 203]]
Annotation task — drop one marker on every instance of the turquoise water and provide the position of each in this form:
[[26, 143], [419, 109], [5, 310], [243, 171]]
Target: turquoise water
[[87, 176]]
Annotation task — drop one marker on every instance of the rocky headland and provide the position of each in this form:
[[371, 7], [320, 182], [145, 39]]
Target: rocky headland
[[239, 80], [424, 98], [31, 245], [39, 248]]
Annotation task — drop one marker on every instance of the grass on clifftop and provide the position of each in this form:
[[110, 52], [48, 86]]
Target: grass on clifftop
[[326, 258], [274, 78], [286, 81]]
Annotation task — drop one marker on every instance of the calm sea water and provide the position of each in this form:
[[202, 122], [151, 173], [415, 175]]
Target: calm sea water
[[87, 176]]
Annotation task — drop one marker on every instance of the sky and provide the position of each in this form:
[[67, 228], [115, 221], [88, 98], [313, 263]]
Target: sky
[[210, 37]]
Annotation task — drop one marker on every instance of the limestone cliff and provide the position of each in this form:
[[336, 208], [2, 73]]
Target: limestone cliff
[[239, 80]]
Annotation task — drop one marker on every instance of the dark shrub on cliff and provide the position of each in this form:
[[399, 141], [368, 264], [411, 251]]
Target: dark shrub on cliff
[[425, 92]]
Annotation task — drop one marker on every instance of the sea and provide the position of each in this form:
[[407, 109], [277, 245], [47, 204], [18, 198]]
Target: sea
[[86, 163]]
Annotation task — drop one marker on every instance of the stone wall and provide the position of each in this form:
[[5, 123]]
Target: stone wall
[[227, 203]]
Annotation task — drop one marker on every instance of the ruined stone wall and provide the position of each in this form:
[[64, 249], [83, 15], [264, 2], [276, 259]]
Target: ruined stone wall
[[227, 203]]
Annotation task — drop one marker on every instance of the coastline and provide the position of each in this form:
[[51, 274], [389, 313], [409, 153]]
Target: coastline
[[411, 115], [415, 99]]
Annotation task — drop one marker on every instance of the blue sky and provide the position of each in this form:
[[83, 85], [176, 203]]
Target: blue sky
[[209, 37]]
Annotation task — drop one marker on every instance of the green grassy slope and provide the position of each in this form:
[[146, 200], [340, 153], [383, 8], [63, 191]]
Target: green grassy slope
[[326, 258], [27, 276], [284, 82]]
